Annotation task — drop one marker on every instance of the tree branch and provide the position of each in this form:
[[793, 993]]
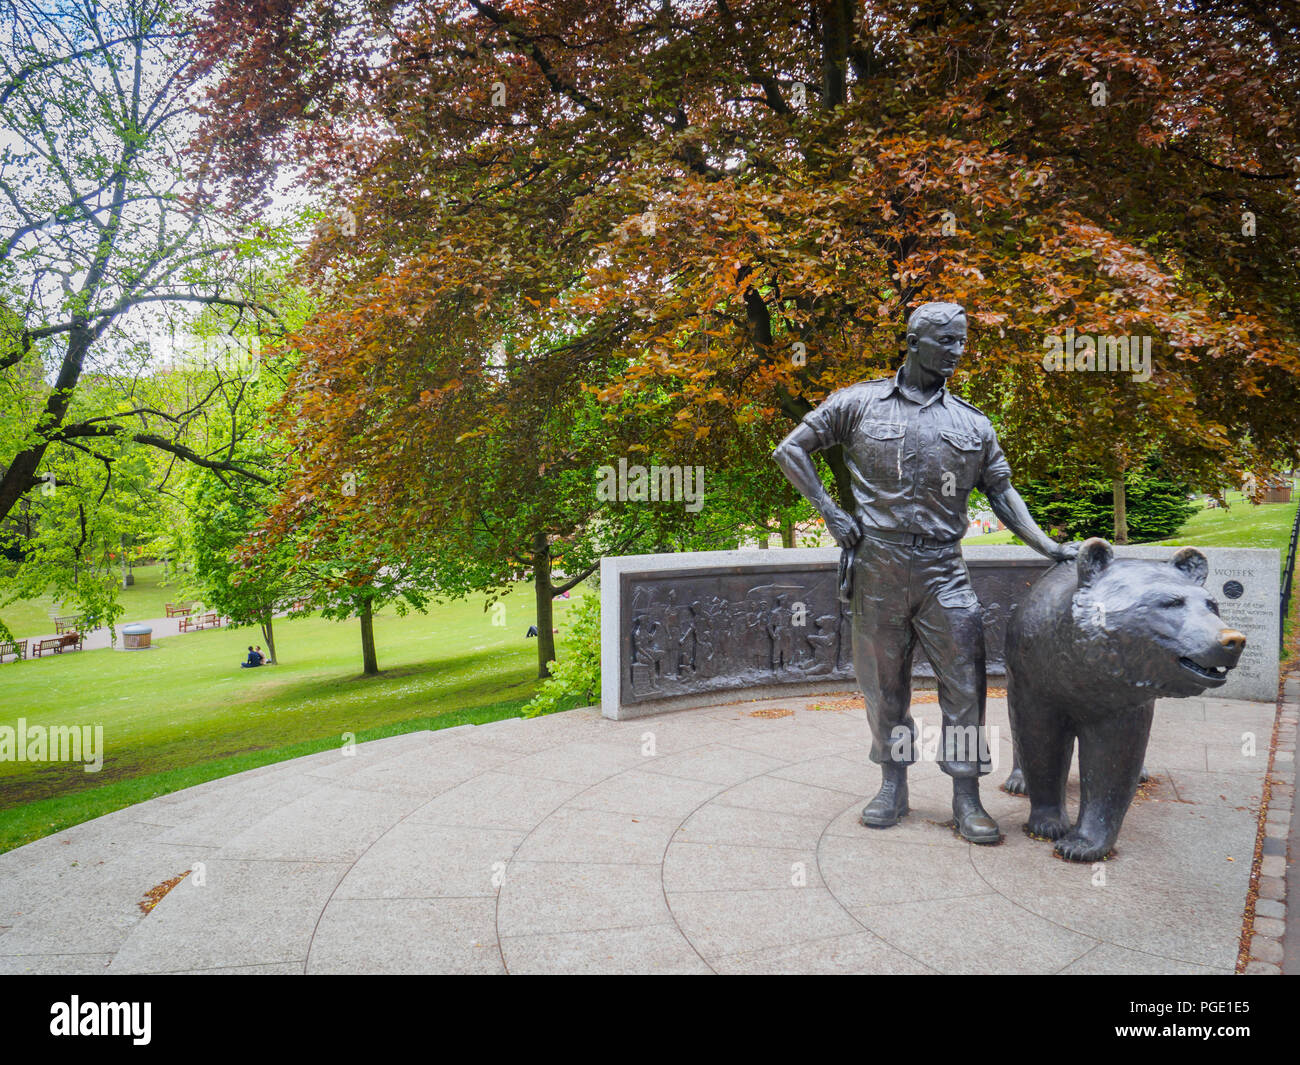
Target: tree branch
[[73, 432]]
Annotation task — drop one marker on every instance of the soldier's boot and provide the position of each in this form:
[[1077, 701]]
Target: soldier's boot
[[973, 821], [890, 804]]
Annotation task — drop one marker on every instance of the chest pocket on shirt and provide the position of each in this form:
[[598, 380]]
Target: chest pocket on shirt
[[879, 430], [878, 449], [961, 454]]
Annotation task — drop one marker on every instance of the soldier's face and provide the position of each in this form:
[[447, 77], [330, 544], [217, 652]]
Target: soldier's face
[[938, 347]]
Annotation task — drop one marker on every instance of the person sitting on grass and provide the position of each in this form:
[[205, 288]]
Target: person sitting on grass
[[254, 659]]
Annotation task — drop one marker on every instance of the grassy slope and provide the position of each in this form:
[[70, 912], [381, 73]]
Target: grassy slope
[[184, 711], [146, 598], [1243, 525]]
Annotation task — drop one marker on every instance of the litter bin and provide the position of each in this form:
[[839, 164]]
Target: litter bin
[[136, 637]]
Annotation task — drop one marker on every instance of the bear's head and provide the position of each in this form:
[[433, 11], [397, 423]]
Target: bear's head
[[1152, 625]]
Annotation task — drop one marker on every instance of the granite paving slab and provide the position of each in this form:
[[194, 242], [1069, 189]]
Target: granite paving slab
[[723, 839]]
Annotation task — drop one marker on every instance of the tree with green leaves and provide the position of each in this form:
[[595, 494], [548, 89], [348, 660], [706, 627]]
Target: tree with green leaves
[[109, 244], [223, 514], [1080, 502]]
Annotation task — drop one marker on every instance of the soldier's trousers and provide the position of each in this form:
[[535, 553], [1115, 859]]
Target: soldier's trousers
[[903, 594]]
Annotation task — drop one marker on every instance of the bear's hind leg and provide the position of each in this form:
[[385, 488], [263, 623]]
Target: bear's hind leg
[[1110, 765], [1015, 782]]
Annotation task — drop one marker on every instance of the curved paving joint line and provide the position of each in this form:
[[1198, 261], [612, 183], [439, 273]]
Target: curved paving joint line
[[707, 840]]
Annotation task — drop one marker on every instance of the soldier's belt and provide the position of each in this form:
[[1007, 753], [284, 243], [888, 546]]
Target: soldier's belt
[[908, 539]]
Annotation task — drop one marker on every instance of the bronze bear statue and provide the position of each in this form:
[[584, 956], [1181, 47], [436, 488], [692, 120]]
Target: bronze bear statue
[[1089, 650]]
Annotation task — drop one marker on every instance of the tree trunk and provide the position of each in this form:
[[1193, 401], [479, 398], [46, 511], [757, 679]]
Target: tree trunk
[[837, 23], [758, 318], [268, 634], [787, 532], [370, 664], [544, 593], [1121, 509], [20, 476]]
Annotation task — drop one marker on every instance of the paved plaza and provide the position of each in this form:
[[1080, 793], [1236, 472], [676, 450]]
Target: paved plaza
[[722, 839]]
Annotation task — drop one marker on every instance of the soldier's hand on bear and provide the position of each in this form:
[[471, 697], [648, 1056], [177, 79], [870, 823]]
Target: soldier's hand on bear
[[1066, 552]]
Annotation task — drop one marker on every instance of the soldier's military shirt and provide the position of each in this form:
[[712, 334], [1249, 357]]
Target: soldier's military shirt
[[913, 464]]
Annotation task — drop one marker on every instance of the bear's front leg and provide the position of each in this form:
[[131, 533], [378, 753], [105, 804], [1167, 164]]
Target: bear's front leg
[[1015, 782], [1048, 817], [1111, 752], [1043, 745]]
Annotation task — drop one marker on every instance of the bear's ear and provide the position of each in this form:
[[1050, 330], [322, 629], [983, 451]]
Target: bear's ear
[[1094, 556], [1191, 564]]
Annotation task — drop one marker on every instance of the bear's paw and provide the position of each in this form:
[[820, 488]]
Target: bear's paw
[[1076, 847], [1015, 783], [1047, 826]]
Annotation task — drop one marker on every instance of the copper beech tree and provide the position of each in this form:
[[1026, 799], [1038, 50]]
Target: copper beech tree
[[712, 214]]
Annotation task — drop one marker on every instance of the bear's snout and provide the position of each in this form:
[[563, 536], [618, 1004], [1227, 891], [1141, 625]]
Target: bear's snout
[[1232, 641], [1211, 667]]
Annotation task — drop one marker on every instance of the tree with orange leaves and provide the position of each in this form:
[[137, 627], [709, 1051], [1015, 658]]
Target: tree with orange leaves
[[715, 214]]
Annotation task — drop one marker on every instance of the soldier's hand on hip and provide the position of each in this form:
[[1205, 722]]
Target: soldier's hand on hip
[[844, 527]]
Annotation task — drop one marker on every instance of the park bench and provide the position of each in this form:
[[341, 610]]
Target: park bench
[[68, 641], [67, 624], [195, 622], [179, 610], [17, 648]]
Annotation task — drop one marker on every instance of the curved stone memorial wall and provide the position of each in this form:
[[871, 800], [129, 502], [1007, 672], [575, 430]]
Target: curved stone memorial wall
[[690, 629]]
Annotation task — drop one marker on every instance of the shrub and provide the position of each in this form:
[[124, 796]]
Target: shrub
[[1083, 506], [575, 677]]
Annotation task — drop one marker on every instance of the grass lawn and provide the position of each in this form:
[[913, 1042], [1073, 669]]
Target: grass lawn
[[1242, 525], [184, 712], [146, 598]]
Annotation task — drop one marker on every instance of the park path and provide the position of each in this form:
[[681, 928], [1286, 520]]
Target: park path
[[99, 638], [721, 839]]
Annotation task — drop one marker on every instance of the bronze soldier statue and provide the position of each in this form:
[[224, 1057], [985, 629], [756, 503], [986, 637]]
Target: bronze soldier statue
[[914, 452]]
